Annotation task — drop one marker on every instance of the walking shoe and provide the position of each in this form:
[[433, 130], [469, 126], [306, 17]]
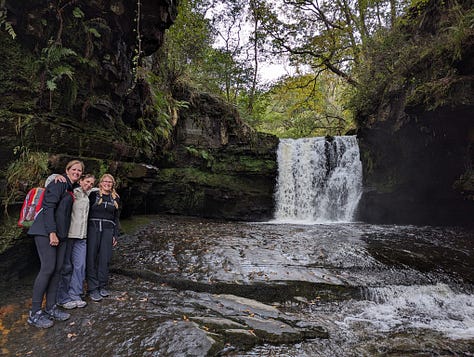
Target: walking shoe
[[39, 319], [103, 293], [80, 303], [95, 296], [69, 305], [56, 314]]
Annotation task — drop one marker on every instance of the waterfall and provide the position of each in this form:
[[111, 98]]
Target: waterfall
[[319, 179]]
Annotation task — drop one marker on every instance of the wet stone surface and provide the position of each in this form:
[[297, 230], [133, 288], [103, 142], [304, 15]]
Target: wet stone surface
[[185, 286]]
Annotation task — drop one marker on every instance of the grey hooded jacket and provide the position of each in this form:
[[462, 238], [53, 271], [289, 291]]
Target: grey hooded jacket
[[79, 215]]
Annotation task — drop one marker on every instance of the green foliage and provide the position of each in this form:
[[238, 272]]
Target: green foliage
[[103, 169], [18, 88], [462, 26], [245, 164], [27, 171], [187, 43], [421, 66], [287, 109], [153, 129], [9, 232], [54, 68], [143, 137], [3, 20], [78, 13], [327, 35], [188, 55], [195, 176], [201, 154], [65, 54], [304, 106]]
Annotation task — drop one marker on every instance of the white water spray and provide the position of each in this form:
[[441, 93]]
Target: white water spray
[[432, 307], [319, 180]]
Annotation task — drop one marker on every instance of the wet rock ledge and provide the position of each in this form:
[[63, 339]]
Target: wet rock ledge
[[159, 308]]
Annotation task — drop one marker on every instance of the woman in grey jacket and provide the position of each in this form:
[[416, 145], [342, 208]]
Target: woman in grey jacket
[[74, 268]]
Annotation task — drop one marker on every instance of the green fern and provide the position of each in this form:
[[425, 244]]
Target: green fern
[[27, 171], [53, 68], [3, 20]]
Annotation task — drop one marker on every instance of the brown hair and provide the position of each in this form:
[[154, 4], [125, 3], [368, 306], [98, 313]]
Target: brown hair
[[86, 176]]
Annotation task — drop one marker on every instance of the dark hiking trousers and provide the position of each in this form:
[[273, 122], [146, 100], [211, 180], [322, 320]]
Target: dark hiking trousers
[[99, 252], [47, 280]]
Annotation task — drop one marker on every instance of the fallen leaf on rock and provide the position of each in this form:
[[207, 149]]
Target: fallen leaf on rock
[[71, 335]]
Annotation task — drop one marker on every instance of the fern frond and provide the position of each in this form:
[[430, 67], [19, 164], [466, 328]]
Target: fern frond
[[61, 71]]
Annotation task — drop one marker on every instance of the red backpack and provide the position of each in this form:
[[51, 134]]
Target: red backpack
[[31, 206]]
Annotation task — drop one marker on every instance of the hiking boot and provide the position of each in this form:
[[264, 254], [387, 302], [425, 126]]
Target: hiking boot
[[39, 319], [95, 296], [80, 303], [69, 305], [103, 293], [56, 314]]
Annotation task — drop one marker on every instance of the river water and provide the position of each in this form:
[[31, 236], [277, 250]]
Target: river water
[[376, 291]]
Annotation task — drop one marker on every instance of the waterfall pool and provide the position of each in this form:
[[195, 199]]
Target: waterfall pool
[[260, 289]]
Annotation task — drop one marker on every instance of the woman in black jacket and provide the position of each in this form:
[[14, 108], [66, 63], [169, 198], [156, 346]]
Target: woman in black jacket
[[50, 230], [102, 233]]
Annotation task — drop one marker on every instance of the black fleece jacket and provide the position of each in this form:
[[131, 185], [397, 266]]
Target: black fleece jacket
[[55, 215]]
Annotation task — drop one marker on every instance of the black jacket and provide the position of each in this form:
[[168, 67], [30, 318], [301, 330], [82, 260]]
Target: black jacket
[[106, 211], [55, 215]]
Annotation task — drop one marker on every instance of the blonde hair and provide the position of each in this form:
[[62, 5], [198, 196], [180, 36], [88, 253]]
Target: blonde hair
[[74, 162], [113, 194]]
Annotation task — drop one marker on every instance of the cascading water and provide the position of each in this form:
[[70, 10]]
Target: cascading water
[[319, 179]]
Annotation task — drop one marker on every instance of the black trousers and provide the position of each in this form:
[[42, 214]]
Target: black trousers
[[47, 280], [99, 254]]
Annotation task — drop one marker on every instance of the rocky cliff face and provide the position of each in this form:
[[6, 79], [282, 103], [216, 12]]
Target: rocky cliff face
[[72, 86], [416, 124], [219, 167]]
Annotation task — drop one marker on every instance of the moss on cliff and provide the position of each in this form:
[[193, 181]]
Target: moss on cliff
[[414, 113], [17, 90], [249, 164], [422, 63], [195, 176]]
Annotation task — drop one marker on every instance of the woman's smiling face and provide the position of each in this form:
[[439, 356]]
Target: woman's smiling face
[[87, 183], [106, 184], [74, 172]]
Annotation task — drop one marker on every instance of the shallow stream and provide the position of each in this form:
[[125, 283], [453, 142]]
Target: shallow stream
[[189, 287]]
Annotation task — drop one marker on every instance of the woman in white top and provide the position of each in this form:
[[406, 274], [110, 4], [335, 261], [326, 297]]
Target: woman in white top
[[74, 268]]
